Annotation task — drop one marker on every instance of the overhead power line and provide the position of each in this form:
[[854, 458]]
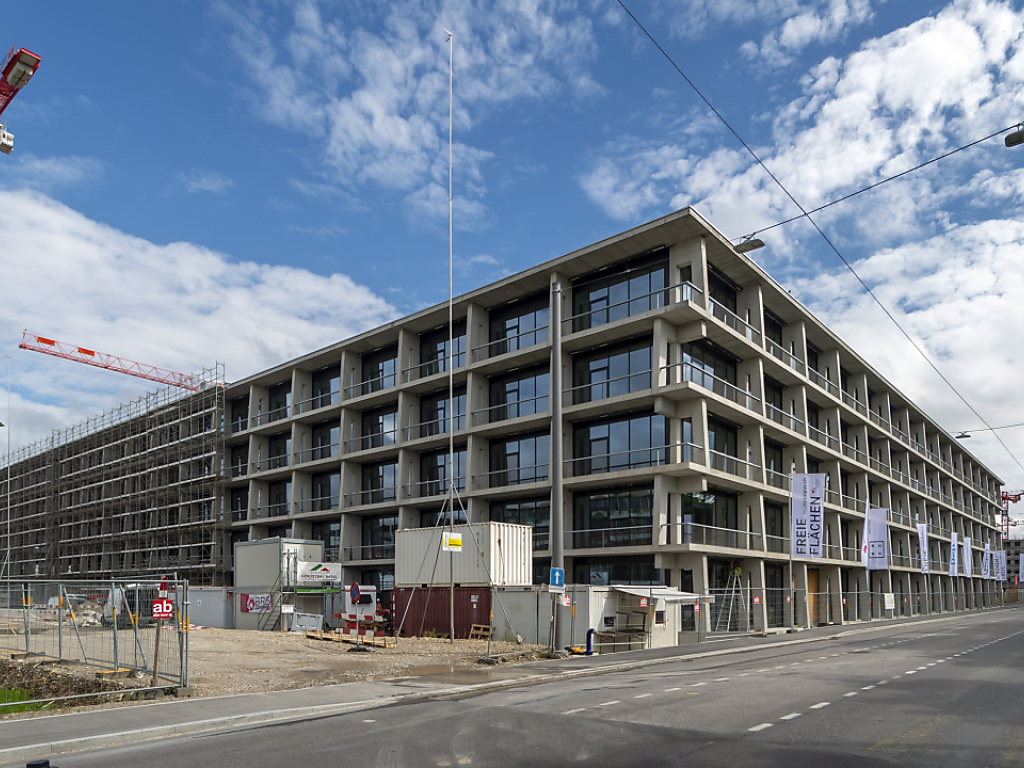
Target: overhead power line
[[804, 213]]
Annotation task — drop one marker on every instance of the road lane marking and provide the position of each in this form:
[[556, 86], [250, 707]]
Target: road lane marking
[[910, 672], [760, 727], [609, 703], [574, 711], [720, 679], [791, 716], [697, 685], [670, 690], [744, 674], [642, 695], [851, 693], [820, 705], [868, 688]]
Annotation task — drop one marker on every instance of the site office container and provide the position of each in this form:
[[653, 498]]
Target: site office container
[[492, 553], [418, 611]]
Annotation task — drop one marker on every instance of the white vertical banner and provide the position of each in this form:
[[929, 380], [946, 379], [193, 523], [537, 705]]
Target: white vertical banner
[[875, 548], [968, 560], [807, 515], [999, 565], [986, 562], [954, 549], [922, 543]]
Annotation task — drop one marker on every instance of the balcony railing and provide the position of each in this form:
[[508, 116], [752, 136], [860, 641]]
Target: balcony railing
[[528, 406], [854, 403], [711, 536], [618, 461], [777, 351], [776, 479], [274, 415], [611, 536], [437, 487], [602, 390], [318, 401], [823, 382], [386, 381], [372, 496], [634, 305], [435, 427], [498, 478], [689, 372], [373, 440], [430, 367], [370, 552], [318, 504], [317, 453], [823, 438], [787, 420], [511, 343], [734, 321], [723, 462]]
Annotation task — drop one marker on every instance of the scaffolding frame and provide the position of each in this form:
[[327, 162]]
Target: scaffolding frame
[[131, 493]]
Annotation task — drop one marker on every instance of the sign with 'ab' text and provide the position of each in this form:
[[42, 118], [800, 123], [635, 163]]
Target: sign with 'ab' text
[[807, 515]]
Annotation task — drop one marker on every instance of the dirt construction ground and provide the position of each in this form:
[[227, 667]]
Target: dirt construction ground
[[226, 661]]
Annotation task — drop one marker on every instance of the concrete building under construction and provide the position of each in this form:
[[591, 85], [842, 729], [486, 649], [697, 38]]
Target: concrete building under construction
[[129, 494]]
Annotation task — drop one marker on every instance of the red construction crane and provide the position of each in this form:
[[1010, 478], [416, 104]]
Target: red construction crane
[[18, 68], [1009, 496], [112, 362]]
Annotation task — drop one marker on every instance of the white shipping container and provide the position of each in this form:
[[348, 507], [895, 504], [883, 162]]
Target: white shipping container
[[492, 553], [267, 562]]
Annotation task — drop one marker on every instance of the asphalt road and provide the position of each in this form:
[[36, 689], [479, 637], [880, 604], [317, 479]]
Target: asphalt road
[[937, 693]]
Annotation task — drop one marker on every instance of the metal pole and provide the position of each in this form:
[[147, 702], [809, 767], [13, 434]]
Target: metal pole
[[451, 357], [555, 525]]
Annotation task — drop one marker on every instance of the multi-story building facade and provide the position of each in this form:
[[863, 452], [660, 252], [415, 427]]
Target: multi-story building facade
[[131, 493], [696, 386]]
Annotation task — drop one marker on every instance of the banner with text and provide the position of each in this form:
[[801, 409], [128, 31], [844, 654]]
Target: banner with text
[[968, 561], [319, 573], [874, 553], [255, 603], [807, 515], [999, 565], [922, 543], [986, 562], [954, 548]]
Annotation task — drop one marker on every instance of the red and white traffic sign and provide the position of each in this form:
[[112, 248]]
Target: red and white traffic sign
[[162, 592], [163, 609]]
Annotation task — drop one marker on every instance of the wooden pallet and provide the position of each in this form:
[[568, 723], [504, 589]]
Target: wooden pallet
[[479, 632], [337, 637]]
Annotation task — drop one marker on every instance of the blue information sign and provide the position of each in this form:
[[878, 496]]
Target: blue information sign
[[557, 577]]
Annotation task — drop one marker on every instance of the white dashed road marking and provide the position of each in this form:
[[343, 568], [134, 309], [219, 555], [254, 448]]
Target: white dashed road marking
[[760, 727]]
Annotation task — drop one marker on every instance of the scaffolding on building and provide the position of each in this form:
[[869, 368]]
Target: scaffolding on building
[[131, 493]]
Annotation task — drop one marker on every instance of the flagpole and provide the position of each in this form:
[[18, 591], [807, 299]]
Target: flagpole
[[792, 543]]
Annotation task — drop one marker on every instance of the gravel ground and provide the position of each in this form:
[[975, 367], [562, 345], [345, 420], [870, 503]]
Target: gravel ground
[[226, 661]]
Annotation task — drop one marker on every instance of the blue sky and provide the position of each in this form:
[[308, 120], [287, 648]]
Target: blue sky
[[246, 181]]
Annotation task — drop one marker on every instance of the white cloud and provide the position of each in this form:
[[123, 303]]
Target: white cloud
[[372, 83], [47, 174], [177, 306], [195, 181]]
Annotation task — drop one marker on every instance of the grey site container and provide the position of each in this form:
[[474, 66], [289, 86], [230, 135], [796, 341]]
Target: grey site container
[[492, 553]]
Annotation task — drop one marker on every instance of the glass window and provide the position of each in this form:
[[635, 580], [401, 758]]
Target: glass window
[[326, 438], [279, 399], [620, 443], [380, 369], [710, 518], [703, 362], [626, 289], [521, 459], [239, 414], [521, 393], [279, 495], [239, 458], [278, 448], [330, 535], [616, 570], [613, 517], [773, 392], [326, 490], [612, 371], [721, 437], [380, 427], [773, 326], [722, 290], [535, 512], [239, 503], [326, 386], [774, 520], [812, 357], [434, 349], [433, 519], [434, 412], [380, 482], [773, 457], [434, 472], [519, 325], [379, 537]]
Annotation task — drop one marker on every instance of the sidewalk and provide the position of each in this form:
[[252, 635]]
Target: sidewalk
[[37, 737]]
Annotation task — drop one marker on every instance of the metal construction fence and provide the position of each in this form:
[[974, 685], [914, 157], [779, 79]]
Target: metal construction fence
[[748, 609], [129, 628]]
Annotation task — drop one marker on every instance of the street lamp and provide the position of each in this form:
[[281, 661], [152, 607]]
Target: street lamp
[[1015, 137]]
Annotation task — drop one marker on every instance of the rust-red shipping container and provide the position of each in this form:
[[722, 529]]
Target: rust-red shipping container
[[430, 610]]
